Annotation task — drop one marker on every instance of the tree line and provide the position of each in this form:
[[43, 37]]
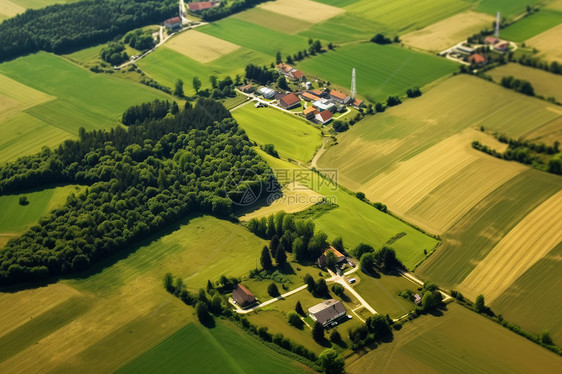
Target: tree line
[[237, 6], [139, 180], [65, 27]]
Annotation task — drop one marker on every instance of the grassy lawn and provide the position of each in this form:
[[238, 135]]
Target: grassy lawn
[[347, 27], [382, 293], [532, 25], [224, 348], [465, 341], [293, 137], [381, 70], [508, 8]]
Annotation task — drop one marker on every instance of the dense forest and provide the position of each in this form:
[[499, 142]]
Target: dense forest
[[140, 180], [65, 27]]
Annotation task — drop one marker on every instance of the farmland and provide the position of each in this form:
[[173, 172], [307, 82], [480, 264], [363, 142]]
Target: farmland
[[345, 28], [62, 105], [222, 349], [200, 47], [544, 83], [121, 309], [357, 222], [549, 44], [521, 248], [10, 8], [446, 33], [308, 10], [532, 25], [293, 137], [381, 70], [508, 8], [459, 341], [275, 21]]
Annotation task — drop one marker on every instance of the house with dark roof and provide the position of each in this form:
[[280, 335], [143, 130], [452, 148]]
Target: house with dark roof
[[322, 259], [242, 296], [290, 72], [310, 112], [327, 311], [323, 117], [203, 5], [339, 97], [173, 23], [289, 101]]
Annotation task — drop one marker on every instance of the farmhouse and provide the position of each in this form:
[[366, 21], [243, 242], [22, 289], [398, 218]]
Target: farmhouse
[[203, 5], [327, 311], [502, 47], [324, 105], [477, 59], [173, 23], [339, 97], [247, 88], [465, 51], [323, 117], [310, 97], [357, 103], [242, 296], [267, 92], [491, 40], [310, 112], [321, 93], [322, 259], [290, 72], [289, 101]]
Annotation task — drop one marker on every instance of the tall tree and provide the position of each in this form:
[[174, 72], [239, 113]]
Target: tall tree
[[213, 80], [178, 90], [280, 256], [265, 259], [278, 58], [331, 362], [272, 290], [318, 332], [196, 84], [479, 305], [299, 310]]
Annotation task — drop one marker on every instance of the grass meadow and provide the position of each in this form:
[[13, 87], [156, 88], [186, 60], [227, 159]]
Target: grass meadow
[[224, 348], [549, 44], [532, 25], [292, 136], [458, 341], [121, 309], [507, 8], [69, 97], [381, 70], [544, 83], [345, 28]]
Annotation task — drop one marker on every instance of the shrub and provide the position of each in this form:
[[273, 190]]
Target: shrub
[[272, 290], [295, 320]]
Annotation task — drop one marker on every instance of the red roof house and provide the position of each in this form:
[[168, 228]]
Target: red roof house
[[322, 259], [203, 5], [491, 40], [310, 97], [477, 59], [172, 23], [339, 97], [242, 296], [289, 101], [323, 117]]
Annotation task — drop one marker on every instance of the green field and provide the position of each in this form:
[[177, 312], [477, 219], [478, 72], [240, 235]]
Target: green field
[[338, 3], [347, 27], [10, 8], [70, 97], [544, 83], [266, 40], [508, 8], [408, 15], [293, 137], [532, 25], [357, 222], [461, 341], [124, 310], [224, 348], [538, 286], [274, 21], [381, 70]]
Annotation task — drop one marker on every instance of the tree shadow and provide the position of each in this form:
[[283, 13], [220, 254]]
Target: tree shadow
[[371, 273], [324, 342], [286, 269], [209, 322]]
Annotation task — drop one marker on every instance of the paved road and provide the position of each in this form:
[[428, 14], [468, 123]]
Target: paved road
[[412, 278], [341, 280], [271, 301]]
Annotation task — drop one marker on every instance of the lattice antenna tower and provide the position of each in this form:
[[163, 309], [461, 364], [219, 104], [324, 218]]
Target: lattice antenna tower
[[497, 33], [353, 84]]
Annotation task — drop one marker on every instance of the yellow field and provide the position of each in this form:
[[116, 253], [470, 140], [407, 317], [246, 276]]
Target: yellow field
[[200, 46], [548, 133], [275, 21], [544, 83], [549, 44], [522, 247], [555, 4], [296, 198], [15, 97], [9, 9], [438, 186], [448, 32], [306, 10]]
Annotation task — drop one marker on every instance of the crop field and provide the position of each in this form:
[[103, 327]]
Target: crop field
[[382, 293], [269, 41], [548, 133], [472, 238], [275, 21], [544, 83], [292, 136], [16, 218], [519, 302], [554, 4], [549, 44], [508, 8], [200, 47], [521, 248], [357, 222], [9, 9], [448, 32], [295, 198], [53, 98], [124, 310], [459, 341], [532, 25], [305, 10], [345, 28], [381, 70], [224, 348], [420, 13]]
